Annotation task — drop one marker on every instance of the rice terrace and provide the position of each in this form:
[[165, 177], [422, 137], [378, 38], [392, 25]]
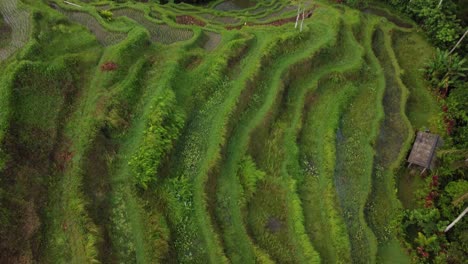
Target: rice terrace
[[233, 131]]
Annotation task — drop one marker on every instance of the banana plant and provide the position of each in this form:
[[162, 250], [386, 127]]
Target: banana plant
[[445, 70]]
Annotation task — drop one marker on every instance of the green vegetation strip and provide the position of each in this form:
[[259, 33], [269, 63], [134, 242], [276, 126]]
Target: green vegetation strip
[[354, 153], [412, 52], [231, 202], [202, 139], [338, 66], [383, 208], [78, 242]]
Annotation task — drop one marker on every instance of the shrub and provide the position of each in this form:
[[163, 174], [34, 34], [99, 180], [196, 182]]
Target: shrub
[[106, 14], [441, 24], [109, 66], [162, 128], [444, 71], [250, 175]]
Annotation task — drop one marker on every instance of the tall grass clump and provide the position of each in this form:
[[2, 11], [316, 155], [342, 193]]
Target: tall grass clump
[[162, 129]]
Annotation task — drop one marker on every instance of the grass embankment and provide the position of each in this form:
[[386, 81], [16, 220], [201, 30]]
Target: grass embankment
[[162, 93], [139, 121], [76, 242], [277, 224], [6, 84], [383, 209], [412, 52], [329, 95], [356, 136], [40, 93], [105, 32], [241, 247], [233, 192], [132, 236], [161, 33], [200, 141], [125, 227]]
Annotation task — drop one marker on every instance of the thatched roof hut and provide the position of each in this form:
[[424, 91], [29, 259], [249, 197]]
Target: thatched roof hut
[[423, 151]]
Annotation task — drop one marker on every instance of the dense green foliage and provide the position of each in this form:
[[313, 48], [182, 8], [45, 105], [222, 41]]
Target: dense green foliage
[[439, 22], [446, 71], [443, 197], [161, 130]]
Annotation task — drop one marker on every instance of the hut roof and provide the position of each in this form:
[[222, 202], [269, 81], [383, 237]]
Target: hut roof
[[423, 149]]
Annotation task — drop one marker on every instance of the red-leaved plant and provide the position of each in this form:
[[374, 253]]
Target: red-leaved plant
[[109, 66]]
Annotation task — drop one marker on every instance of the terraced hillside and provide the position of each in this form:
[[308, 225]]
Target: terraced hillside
[[204, 134]]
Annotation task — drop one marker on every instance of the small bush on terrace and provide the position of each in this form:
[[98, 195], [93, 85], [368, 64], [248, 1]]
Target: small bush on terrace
[[250, 175], [162, 129], [106, 14], [445, 71], [109, 66]]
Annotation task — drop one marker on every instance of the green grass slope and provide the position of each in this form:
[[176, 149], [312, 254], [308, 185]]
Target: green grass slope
[[317, 140], [214, 133], [391, 146]]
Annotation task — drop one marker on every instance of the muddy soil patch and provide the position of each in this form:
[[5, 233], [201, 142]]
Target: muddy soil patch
[[96, 185], [104, 37], [161, 33], [189, 20], [24, 182], [5, 33], [211, 40]]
